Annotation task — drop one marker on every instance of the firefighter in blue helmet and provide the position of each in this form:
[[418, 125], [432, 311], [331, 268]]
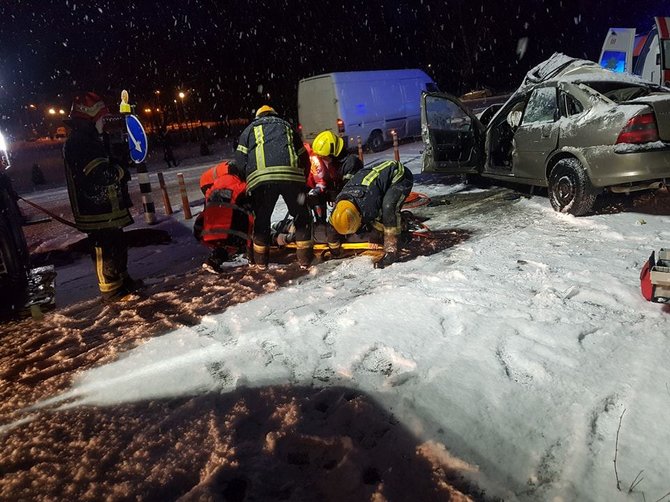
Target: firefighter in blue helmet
[[373, 197], [272, 159], [98, 190]]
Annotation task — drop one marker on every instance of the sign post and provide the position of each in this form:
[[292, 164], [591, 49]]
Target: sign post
[[138, 144]]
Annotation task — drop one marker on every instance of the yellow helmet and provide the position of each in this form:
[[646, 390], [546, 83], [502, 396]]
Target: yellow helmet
[[265, 109], [346, 218], [327, 143]]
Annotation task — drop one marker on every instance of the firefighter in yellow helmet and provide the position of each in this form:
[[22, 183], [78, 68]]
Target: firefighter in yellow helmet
[[338, 166], [273, 161], [373, 197]]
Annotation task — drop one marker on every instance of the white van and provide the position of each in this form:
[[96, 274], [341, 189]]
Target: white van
[[369, 104]]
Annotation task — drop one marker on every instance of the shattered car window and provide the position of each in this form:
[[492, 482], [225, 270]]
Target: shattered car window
[[571, 105], [541, 107], [446, 115], [619, 91]]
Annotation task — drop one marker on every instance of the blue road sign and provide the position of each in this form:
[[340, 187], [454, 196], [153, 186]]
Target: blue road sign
[[137, 139]]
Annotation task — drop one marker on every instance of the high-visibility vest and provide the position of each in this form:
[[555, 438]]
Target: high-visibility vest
[[222, 216], [208, 177]]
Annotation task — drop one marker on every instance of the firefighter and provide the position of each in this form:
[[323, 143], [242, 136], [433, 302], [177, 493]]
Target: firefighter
[[373, 198], [274, 162], [332, 167], [98, 191], [225, 223]]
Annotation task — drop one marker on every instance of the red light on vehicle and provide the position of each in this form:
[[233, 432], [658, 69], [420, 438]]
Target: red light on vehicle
[[299, 127], [340, 126], [639, 129]]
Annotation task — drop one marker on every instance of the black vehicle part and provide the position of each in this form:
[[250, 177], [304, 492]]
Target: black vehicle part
[[376, 141], [14, 258], [570, 190]]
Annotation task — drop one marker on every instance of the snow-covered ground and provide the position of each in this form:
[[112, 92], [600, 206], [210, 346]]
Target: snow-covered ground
[[524, 349]]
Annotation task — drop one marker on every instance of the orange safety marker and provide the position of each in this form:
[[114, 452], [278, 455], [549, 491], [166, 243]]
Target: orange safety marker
[[360, 148], [184, 197], [396, 151], [166, 196]]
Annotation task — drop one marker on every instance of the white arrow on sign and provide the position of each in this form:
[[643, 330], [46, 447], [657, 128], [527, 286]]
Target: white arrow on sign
[[138, 145]]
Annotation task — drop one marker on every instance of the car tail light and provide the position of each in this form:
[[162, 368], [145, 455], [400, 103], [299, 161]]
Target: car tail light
[[340, 126], [639, 129]]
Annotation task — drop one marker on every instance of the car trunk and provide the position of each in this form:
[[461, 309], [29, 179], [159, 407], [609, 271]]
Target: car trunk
[[661, 106]]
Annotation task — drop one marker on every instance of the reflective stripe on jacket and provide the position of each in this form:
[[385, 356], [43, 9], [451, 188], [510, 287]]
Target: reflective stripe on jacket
[[98, 196], [368, 186], [270, 151]]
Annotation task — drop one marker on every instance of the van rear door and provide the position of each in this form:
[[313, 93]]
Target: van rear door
[[617, 51], [317, 106], [453, 138]]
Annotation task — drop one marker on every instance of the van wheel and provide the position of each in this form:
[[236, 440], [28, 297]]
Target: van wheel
[[570, 190], [376, 141]]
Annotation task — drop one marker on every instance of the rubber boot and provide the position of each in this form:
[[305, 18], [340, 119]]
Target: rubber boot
[[261, 255], [335, 249], [304, 252]]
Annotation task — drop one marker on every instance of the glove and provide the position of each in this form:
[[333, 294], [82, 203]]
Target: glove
[[385, 260], [313, 196]]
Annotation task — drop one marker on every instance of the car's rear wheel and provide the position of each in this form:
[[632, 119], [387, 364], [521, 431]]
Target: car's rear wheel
[[376, 141], [570, 190]]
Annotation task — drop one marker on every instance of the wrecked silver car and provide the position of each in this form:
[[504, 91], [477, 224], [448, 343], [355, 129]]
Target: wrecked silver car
[[571, 126]]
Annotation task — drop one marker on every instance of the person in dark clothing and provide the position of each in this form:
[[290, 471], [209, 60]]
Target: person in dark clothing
[[274, 162], [98, 191], [168, 153], [375, 193]]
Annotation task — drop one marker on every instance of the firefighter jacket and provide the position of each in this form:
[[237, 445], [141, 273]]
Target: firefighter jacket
[[96, 185], [224, 215], [270, 151], [378, 192]]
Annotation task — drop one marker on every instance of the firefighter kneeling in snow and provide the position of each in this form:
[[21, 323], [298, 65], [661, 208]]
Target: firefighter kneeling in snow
[[375, 193], [225, 223], [98, 190]]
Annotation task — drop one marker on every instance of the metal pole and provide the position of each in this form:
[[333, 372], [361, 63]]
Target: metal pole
[[360, 148], [396, 151], [184, 197], [145, 190], [166, 196]]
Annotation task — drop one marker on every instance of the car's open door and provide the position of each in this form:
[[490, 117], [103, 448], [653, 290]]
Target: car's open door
[[452, 137]]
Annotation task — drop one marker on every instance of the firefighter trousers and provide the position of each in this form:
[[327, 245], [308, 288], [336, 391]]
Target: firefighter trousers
[[264, 198], [109, 251]]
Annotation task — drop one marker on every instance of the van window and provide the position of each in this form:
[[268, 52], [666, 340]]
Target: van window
[[542, 106], [666, 54]]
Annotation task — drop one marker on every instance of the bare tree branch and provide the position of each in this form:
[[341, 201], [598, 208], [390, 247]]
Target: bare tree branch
[[616, 452], [636, 481]]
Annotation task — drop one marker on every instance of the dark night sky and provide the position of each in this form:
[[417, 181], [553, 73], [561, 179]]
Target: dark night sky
[[227, 52]]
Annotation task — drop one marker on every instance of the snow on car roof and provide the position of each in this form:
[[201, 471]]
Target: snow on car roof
[[562, 68]]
